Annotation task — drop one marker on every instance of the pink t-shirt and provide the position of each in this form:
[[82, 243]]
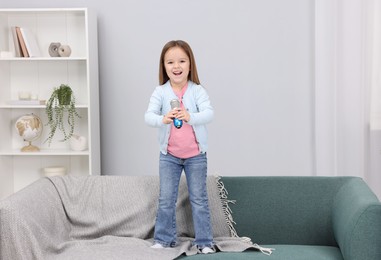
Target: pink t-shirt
[[182, 142]]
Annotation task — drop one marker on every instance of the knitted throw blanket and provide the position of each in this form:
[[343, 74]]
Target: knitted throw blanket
[[108, 217]]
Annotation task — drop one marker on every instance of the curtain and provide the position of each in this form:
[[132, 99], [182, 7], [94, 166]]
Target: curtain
[[372, 11], [374, 53], [348, 89]]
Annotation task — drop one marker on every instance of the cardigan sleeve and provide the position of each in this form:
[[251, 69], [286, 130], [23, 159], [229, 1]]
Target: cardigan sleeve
[[205, 111], [153, 116]]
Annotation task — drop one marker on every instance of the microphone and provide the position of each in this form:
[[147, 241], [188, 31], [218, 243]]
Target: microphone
[[175, 103]]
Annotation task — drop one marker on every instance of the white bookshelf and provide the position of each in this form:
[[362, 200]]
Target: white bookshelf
[[76, 27]]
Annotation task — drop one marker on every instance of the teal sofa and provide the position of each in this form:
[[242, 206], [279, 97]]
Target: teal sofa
[[306, 218], [100, 217]]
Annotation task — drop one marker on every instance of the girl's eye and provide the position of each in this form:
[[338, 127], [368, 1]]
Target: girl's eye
[[169, 62]]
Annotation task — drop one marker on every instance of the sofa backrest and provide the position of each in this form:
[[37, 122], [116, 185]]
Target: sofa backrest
[[126, 206], [284, 210]]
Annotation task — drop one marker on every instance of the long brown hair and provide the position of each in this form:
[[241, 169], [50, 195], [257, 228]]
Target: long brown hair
[[192, 76]]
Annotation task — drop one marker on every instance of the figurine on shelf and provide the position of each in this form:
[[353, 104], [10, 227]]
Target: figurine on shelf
[[58, 50], [53, 49], [64, 51]]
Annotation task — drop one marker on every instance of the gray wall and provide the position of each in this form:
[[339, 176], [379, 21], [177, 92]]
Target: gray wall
[[255, 58]]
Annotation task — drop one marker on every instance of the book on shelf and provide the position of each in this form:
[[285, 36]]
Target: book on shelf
[[24, 50], [16, 42], [30, 42]]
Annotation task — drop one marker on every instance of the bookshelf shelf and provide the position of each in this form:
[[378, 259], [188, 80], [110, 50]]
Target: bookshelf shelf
[[34, 106], [45, 152], [76, 27], [58, 59]]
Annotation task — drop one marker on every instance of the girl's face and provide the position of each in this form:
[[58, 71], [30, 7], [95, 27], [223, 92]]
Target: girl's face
[[177, 66]]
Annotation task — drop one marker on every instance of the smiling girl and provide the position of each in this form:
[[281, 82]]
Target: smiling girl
[[181, 148]]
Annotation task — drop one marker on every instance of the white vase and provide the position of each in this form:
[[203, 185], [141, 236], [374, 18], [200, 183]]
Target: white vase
[[78, 143]]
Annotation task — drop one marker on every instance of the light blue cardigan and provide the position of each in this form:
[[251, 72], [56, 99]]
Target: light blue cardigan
[[197, 103]]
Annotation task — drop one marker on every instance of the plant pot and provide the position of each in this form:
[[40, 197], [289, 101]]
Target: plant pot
[[64, 97], [61, 112], [64, 101]]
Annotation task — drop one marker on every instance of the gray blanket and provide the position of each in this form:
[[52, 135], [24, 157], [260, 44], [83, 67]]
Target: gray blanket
[[104, 217]]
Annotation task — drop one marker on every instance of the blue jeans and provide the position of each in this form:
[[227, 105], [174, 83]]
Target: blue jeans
[[170, 170]]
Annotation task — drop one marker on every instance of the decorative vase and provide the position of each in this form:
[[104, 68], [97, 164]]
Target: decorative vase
[[78, 142]]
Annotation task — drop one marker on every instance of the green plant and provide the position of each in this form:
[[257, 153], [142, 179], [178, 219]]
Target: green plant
[[61, 103]]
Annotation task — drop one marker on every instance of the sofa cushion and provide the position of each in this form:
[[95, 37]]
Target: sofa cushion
[[282, 252]]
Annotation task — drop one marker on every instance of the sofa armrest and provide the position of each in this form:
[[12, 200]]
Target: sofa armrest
[[357, 221], [32, 222]]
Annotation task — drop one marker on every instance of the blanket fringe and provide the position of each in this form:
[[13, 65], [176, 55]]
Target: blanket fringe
[[225, 206], [229, 218], [265, 250]]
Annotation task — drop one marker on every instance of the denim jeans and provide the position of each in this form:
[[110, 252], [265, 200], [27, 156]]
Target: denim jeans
[[170, 170]]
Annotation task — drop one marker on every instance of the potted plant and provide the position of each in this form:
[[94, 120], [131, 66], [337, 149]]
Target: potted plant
[[60, 104]]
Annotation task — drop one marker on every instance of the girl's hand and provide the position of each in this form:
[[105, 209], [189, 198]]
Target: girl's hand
[[168, 118], [183, 114]]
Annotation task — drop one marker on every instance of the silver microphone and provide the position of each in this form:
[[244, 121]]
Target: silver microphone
[[175, 103]]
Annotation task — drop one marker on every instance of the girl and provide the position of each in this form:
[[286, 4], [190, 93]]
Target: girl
[[181, 148]]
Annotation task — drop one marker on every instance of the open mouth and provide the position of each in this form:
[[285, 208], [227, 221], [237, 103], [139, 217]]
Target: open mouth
[[177, 73]]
